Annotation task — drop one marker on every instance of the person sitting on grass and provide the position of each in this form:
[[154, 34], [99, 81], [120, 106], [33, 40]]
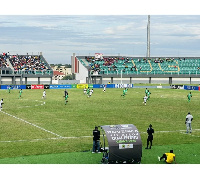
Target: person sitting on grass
[[168, 157]]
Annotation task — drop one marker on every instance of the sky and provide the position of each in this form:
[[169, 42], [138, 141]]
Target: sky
[[59, 34]]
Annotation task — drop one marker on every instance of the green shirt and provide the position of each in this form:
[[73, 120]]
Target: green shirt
[[189, 96], [124, 91]]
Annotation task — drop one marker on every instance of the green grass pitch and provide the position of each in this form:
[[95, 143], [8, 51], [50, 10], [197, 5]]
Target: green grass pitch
[[34, 132]]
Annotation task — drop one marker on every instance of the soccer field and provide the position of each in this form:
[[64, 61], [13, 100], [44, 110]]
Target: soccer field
[[30, 127]]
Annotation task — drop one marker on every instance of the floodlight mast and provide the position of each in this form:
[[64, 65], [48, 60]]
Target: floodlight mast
[[148, 37]]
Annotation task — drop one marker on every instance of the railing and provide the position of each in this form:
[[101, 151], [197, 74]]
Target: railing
[[119, 72], [30, 72]]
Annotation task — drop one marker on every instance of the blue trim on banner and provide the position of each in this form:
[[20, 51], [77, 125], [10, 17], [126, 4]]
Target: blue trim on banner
[[96, 85], [13, 86], [67, 86], [191, 87], [110, 86]]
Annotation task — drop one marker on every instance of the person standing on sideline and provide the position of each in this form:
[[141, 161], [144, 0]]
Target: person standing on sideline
[[96, 140], [150, 132], [168, 157], [188, 122], [1, 103], [189, 96]]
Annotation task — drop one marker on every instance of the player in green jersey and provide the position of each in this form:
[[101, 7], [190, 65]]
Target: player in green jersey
[[66, 97], [88, 91], [9, 88], [20, 93], [146, 91], [148, 95], [189, 96], [124, 92]]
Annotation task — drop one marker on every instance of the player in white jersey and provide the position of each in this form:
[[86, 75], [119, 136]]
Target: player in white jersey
[[91, 91], [44, 95], [1, 103], [145, 99], [188, 122], [104, 88], [85, 90]]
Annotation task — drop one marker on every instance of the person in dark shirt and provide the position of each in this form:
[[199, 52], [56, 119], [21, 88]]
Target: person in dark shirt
[[96, 140], [65, 93], [150, 132]]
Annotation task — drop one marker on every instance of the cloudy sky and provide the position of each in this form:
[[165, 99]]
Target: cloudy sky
[[59, 36]]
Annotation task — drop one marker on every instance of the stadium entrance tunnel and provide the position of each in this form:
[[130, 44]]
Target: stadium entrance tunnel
[[124, 144]]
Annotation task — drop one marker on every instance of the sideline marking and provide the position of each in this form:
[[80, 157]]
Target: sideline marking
[[75, 137], [32, 124]]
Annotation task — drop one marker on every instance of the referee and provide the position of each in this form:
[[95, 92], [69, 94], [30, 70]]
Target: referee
[[150, 132]]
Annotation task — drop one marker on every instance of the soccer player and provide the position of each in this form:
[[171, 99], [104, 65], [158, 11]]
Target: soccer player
[[104, 88], [9, 89], [148, 95], [146, 91], [1, 103], [150, 132], [168, 157], [88, 91], [44, 95], [124, 92], [66, 97], [20, 93], [145, 99], [189, 96], [84, 91], [188, 122], [65, 93]]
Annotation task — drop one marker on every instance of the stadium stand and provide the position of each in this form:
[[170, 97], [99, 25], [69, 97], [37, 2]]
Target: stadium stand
[[129, 65], [25, 68], [3, 62]]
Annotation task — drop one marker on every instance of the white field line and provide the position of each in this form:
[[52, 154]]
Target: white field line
[[32, 124], [75, 137], [42, 102]]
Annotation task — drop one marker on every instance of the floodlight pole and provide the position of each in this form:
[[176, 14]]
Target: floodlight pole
[[148, 37]]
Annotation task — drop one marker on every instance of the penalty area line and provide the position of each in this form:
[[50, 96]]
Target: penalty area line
[[32, 124]]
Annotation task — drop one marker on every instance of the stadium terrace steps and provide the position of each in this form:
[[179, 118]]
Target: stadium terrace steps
[[144, 65]]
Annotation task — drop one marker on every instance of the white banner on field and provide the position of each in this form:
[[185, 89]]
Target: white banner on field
[[123, 85]]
